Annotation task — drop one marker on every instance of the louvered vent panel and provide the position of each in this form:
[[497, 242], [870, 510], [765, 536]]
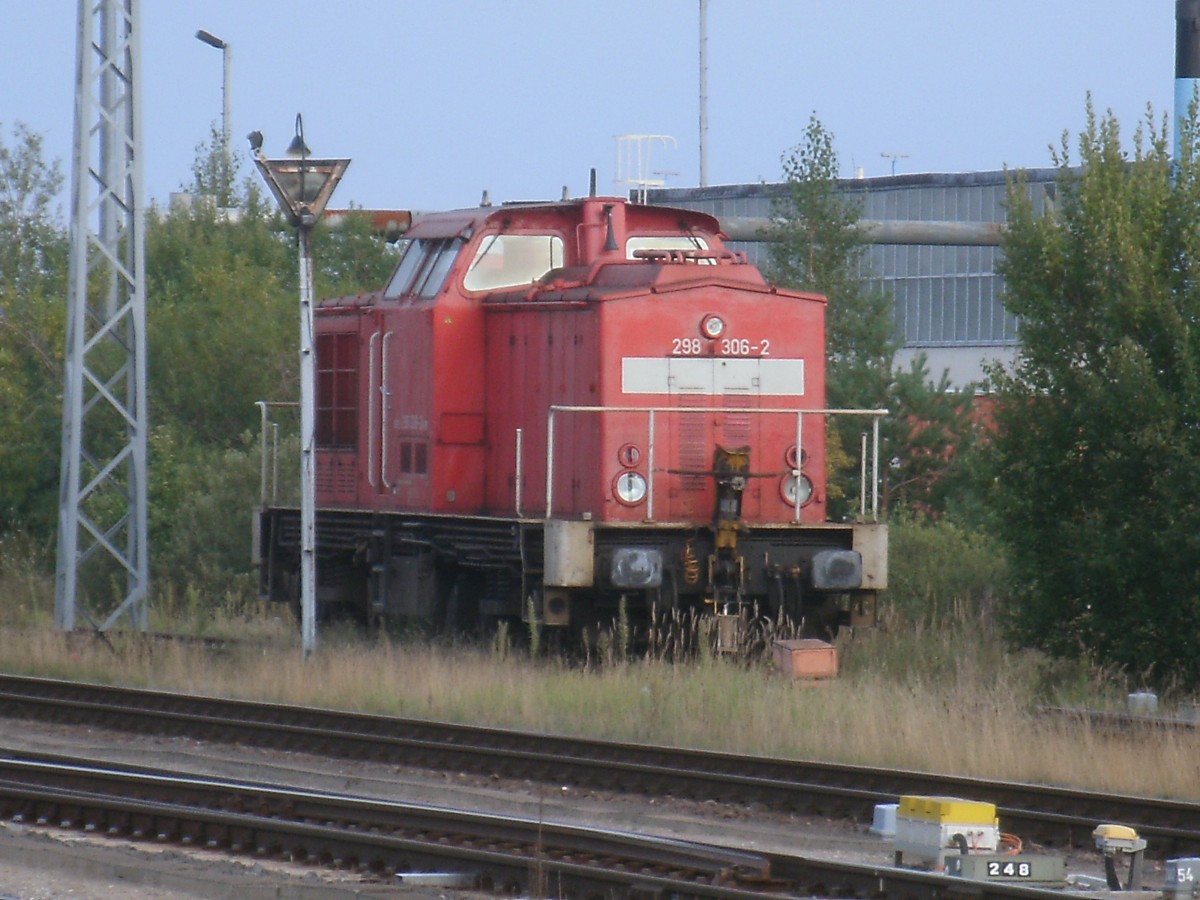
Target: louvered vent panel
[[693, 442]]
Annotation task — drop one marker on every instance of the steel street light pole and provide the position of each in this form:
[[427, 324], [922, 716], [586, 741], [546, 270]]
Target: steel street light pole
[[302, 186], [308, 431], [227, 60]]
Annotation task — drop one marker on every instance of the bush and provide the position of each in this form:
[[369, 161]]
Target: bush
[[201, 504], [937, 568]]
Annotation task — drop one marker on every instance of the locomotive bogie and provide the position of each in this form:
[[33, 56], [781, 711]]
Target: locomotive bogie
[[407, 568]]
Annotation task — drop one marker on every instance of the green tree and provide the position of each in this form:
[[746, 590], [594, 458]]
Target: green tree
[[33, 278], [222, 299], [817, 246], [221, 322], [215, 173], [1097, 448], [352, 257], [222, 333], [931, 438]]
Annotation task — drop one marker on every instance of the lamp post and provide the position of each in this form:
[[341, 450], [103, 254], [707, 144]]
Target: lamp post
[[302, 186], [227, 59], [893, 157]]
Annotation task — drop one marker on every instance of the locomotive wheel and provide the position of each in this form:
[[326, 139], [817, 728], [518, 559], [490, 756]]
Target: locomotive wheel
[[668, 592], [462, 604], [776, 596], [457, 601], [298, 612], [294, 600], [785, 598], [450, 600], [823, 618]]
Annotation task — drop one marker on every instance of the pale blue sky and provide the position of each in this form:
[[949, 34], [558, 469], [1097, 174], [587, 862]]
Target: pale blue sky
[[436, 101]]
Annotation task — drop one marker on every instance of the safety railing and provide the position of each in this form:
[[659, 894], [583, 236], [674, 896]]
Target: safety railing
[[653, 412]]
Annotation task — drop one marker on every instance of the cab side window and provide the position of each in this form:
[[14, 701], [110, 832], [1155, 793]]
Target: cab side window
[[512, 260]]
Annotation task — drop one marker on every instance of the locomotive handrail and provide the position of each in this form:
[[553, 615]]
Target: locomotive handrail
[[520, 454], [652, 411], [371, 414], [661, 255], [385, 409], [263, 407]]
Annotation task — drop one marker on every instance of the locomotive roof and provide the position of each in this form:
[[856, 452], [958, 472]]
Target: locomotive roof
[[607, 248], [533, 214]]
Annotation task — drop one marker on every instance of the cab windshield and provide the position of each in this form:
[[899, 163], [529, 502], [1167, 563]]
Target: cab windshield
[[423, 267]]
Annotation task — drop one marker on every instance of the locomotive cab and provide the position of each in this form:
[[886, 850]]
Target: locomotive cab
[[559, 410]]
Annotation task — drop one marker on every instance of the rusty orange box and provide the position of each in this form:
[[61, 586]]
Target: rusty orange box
[[807, 658]]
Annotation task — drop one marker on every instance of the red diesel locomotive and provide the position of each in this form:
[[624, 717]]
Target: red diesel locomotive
[[552, 407]]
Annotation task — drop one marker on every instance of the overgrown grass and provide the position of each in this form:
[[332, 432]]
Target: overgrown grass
[[935, 690], [26, 590]]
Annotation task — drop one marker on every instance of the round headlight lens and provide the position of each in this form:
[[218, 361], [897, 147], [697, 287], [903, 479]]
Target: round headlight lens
[[630, 488], [796, 489], [712, 327], [629, 455]]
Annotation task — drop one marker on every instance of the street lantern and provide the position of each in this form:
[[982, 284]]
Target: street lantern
[[302, 186]]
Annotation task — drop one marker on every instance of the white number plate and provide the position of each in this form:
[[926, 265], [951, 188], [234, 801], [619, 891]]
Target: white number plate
[[693, 346], [998, 869]]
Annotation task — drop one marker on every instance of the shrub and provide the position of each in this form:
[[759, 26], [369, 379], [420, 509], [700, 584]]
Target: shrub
[[202, 501], [936, 566]]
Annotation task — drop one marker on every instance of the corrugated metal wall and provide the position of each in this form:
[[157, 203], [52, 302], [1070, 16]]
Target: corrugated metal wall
[[945, 296]]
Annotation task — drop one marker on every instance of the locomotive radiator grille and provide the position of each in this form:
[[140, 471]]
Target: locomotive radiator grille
[[335, 474], [736, 425], [693, 440]]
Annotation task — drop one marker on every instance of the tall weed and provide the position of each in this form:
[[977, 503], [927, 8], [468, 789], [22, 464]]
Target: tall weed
[[936, 688], [26, 581], [962, 705]]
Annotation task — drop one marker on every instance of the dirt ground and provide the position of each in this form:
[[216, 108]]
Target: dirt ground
[[39, 864]]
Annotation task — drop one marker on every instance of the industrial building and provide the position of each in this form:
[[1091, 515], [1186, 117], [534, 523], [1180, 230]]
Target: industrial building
[[933, 247]]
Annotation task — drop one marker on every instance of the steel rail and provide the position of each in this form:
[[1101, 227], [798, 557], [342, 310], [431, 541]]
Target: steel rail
[[382, 838], [347, 831], [1053, 816], [1111, 720]]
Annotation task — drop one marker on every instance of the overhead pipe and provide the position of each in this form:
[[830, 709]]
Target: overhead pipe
[[393, 223], [876, 231]]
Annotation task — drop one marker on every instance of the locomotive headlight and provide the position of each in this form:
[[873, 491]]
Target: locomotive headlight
[[796, 489], [712, 327], [793, 461], [837, 570], [636, 567], [628, 455], [630, 488]]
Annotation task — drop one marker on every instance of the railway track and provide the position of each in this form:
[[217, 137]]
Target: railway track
[[1108, 720], [376, 837], [1050, 816], [383, 839]]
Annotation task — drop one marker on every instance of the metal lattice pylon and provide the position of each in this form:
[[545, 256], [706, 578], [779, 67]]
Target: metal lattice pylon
[[102, 571]]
